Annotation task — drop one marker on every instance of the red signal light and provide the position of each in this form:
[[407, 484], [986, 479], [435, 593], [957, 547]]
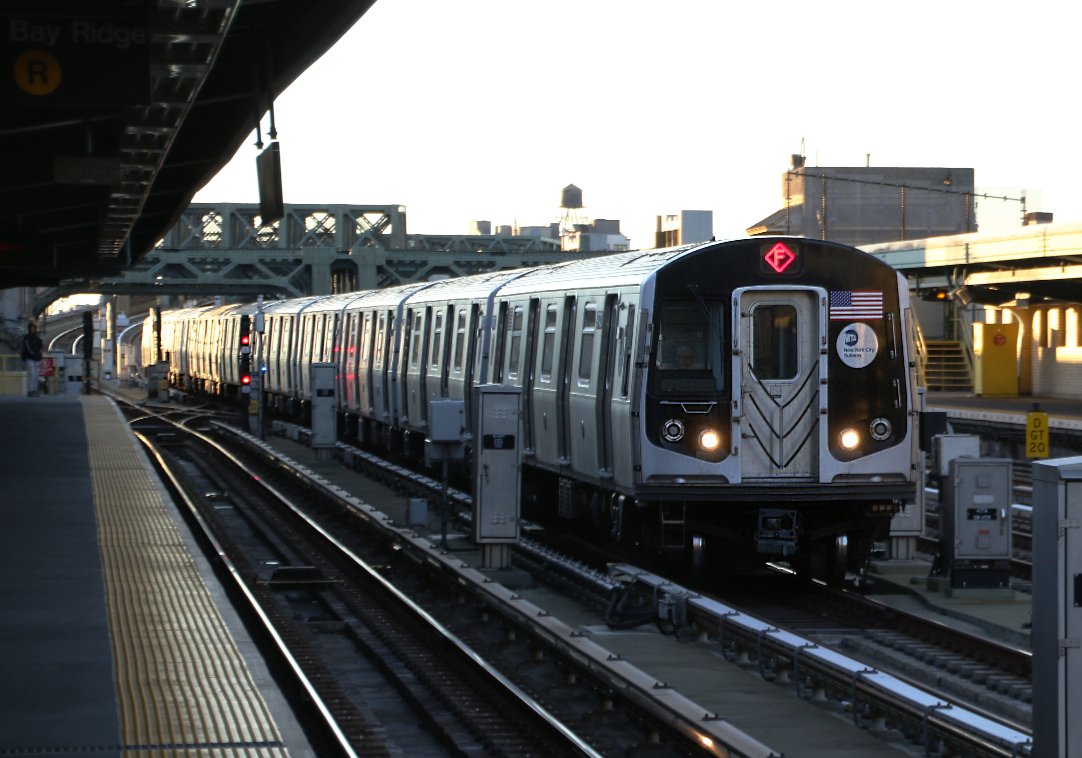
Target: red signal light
[[245, 339], [779, 257], [246, 379]]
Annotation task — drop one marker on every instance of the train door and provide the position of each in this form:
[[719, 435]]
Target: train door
[[566, 351], [411, 333], [544, 382], [420, 397], [622, 418], [379, 364], [530, 374], [583, 391], [473, 349], [609, 319], [445, 354], [778, 370], [350, 357], [364, 370]]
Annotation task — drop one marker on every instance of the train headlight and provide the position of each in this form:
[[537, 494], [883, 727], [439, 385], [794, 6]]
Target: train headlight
[[709, 440], [880, 429], [849, 439], [673, 430]]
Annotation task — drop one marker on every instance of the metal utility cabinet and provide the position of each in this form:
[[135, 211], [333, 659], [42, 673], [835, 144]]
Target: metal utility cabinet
[[976, 523], [1057, 607], [324, 408], [497, 463]]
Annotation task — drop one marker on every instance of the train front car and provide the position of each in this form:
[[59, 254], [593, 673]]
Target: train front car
[[778, 404]]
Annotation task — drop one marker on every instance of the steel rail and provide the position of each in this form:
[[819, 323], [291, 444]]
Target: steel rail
[[939, 718], [340, 741]]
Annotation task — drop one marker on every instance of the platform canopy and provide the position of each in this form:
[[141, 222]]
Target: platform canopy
[[116, 112]]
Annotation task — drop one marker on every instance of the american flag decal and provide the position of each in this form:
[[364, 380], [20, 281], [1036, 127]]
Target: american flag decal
[[847, 305]]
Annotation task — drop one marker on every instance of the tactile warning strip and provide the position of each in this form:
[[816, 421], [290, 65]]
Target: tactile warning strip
[[182, 686]]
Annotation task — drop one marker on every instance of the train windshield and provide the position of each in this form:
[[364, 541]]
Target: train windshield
[[688, 352]]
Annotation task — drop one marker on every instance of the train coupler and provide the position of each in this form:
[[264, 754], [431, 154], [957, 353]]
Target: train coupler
[[776, 531]]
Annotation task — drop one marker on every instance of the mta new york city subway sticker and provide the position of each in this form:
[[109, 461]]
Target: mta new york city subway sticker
[[857, 345]]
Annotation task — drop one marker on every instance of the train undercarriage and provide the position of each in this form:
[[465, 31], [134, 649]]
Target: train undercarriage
[[822, 540]]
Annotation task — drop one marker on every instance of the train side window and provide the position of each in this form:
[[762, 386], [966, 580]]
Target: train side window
[[331, 348], [515, 332], [437, 334], [586, 346], [478, 342], [499, 335], [548, 344], [460, 339], [416, 336], [380, 337], [366, 339], [774, 341]]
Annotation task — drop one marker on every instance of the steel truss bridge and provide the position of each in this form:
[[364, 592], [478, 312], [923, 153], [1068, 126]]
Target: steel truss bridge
[[226, 249]]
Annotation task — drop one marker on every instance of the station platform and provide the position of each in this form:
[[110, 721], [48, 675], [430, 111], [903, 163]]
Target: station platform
[[115, 641], [1063, 413]]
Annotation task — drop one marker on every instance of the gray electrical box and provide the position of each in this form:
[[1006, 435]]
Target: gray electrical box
[[446, 423], [497, 461], [1057, 606], [446, 420], [947, 447], [324, 405], [975, 522]]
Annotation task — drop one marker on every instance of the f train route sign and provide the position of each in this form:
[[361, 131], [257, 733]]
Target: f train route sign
[[74, 61]]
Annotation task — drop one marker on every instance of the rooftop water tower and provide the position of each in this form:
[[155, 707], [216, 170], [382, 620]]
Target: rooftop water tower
[[571, 209]]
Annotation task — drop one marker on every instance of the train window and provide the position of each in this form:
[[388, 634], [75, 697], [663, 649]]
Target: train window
[[774, 341], [629, 347], [586, 347], [437, 332], [366, 339], [548, 343], [416, 335], [380, 332], [688, 352], [460, 338], [515, 329]]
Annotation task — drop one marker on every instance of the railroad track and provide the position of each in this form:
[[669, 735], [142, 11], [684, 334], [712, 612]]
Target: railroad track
[[999, 665], [917, 716], [463, 708]]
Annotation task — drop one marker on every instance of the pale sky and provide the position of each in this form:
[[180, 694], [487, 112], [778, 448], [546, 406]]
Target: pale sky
[[486, 109]]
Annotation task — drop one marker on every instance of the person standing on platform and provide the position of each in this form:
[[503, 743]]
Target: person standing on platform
[[32, 347]]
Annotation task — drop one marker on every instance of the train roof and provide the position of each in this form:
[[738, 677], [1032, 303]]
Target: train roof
[[600, 271], [622, 269]]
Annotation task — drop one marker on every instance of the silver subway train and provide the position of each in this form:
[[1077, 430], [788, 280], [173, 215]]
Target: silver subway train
[[736, 401]]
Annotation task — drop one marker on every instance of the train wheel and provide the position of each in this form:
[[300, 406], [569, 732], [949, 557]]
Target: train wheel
[[826, 559], [837, 561], [699, 555]]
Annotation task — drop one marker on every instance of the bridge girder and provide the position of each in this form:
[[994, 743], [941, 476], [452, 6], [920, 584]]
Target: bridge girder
[[226, 249]]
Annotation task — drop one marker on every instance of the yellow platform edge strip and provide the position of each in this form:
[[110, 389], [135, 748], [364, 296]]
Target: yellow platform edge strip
[[182, 686]]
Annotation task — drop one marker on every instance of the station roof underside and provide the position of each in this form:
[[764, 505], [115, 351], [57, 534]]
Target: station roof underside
[[1036, 263], [119, 111]]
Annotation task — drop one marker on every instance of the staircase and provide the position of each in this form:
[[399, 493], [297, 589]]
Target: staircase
[[946, 367]]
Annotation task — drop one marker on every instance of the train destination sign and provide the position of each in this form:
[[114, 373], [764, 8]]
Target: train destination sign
[[74, 61], [780, 259]]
